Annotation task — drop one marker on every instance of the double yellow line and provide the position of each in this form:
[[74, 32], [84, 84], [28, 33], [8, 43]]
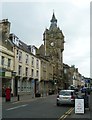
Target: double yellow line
[[66, 114]]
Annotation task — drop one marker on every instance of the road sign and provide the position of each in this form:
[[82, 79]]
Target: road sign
[[87, 80], [79, 105]]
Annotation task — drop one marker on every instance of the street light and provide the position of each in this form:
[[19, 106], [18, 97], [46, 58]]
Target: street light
[[55, 86]]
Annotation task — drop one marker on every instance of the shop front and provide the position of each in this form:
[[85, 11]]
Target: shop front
[[6, 78]]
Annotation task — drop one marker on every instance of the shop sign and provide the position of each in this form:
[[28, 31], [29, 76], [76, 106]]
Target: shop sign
[[79, 105], [7, 74]]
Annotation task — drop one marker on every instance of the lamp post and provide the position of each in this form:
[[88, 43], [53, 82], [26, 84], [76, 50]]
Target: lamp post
[[55, 87], [13, 82]]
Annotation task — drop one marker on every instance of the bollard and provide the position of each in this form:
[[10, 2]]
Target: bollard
[[18, 97]]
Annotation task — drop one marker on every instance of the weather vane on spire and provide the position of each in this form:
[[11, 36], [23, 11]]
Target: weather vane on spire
[[53, 10]]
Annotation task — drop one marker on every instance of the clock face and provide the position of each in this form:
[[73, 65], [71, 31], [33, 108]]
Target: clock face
[[52, 44]]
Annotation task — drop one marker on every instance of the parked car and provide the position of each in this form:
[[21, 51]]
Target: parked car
[[66, 97]]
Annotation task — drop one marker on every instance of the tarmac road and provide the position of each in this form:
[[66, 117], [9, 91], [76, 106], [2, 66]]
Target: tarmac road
[[44, 107]]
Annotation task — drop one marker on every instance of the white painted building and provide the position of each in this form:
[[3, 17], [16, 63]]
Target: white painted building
[[26, 67]]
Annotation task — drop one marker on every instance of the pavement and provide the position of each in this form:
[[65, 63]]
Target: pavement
[[20, 98], [87, 115]]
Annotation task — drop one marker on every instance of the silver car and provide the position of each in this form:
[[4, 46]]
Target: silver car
[[66, 97]]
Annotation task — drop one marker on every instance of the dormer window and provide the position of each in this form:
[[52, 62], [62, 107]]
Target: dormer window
[[15, 39], [32, 50]]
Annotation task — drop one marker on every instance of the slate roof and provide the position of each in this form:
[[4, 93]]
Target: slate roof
[[23, 46]]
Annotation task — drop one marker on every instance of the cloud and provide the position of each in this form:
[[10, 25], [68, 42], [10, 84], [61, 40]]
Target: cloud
[[29, 20], [80, 3]]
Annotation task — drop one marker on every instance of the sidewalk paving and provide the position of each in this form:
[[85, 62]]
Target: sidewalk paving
[[24, 97], [87, 112], [79, 116]]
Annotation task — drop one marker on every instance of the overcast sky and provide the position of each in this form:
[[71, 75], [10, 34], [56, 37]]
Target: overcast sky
[[29, 20]]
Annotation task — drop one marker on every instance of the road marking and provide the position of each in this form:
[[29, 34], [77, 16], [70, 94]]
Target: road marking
[[29, 100], [17, 107], [68, 111], [24, 101], [66, 114], [15, 102]]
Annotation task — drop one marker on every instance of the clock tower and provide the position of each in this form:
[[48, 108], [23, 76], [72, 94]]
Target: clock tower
[[54, 46]]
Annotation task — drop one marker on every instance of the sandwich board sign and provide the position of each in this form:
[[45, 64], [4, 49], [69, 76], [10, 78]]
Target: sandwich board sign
[[79, 106]]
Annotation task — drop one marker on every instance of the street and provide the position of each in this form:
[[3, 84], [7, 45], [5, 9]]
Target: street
[[44, 107]]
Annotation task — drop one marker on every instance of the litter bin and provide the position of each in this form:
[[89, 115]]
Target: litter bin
[[37, 94]]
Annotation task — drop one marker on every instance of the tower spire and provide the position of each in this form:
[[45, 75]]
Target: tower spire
[[53, 21], [53, 17]]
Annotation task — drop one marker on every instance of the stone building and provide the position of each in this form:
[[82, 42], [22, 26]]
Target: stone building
[[66, 75], [75, 76], [72, 76], [46, 78], [21, 68], [6, 56], [53, 48], [26, 67], [47, 68]]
